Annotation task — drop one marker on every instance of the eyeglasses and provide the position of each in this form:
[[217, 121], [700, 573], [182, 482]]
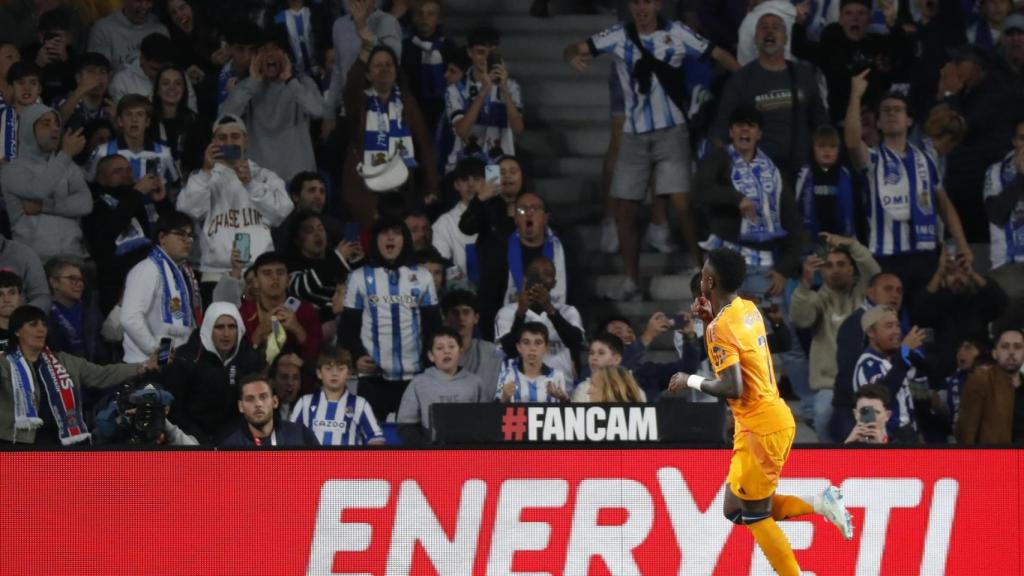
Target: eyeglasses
[[183, 234], [72, 279], [524, 210]]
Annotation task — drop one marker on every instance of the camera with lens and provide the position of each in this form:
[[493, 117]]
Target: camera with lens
[[141, 407]]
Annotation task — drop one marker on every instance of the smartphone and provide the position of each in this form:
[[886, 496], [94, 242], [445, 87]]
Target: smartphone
[[867, 414], [231, 152], [50, 35], [152, 167], [352, 232], [929, 335], [822, 250], [679, 321], [492, 173], [243, 245], [292, 303], [74, 124], [493, 60], [163, 352]]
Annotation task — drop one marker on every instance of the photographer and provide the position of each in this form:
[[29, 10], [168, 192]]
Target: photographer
[[535, 304], [41, 390], [872, 415], [138, 415]]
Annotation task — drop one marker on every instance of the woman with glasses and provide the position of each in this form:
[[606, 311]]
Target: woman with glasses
[[74, 325]]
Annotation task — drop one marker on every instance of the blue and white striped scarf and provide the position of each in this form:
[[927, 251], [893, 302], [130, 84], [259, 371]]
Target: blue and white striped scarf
[[432, 85], [299, 25], [177, 305], [8, 133], [905, 199], [1014, 229], [761, 182], [387, 133]]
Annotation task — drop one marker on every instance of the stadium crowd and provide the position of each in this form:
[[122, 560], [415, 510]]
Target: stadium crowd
[[219, 216]]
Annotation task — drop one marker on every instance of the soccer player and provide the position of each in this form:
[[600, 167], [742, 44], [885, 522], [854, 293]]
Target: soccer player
[[337, 416], [738, 352]]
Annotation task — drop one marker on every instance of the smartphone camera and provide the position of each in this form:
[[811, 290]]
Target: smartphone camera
[[494, 60], [867, 414], [231, 152]]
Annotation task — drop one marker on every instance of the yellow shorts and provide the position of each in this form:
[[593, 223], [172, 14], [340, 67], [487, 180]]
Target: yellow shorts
[[757, 461]]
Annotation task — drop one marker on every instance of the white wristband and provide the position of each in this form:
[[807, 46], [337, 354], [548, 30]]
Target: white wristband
[[694, 381]]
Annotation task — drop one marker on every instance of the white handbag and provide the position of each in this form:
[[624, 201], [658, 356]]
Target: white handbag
[[386, 177]]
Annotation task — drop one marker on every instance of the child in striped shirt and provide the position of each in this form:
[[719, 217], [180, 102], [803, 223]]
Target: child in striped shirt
[[336, 416]]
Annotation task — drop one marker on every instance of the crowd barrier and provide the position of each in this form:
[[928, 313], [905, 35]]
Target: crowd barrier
[[495, 512]]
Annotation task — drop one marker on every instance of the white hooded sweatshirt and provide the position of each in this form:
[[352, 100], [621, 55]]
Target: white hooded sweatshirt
[[226, 207], [210, 317]]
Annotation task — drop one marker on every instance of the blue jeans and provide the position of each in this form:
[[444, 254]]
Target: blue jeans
[[794, 360], [823, 416]]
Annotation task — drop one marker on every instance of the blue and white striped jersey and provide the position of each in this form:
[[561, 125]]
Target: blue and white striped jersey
[[528, 390], [159, 152], [1006, 243], [919, 181], [670, 44], [391, 300], [871, 367], [491, 130], [347, 422]]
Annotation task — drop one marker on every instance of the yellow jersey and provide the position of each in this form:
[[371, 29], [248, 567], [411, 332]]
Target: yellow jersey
[[737, 334]]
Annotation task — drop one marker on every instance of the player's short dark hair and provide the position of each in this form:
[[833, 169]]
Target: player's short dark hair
[[469, 167], [444, 332], [171, 221], [300, 179], [252, 379], [695, 284], [93, 59], [483, 36], [268, 258], [873, 392], [22, 69], [459, 298], [534, 328], [157, 48], [9, 279], [730, 267], [334, 355], [613, 342]]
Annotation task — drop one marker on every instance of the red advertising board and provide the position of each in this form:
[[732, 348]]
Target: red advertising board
[[501, 512]]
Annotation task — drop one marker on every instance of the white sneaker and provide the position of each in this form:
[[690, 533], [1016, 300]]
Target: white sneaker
[[630, 291], [659, 237], [830, 505], [609, 236]]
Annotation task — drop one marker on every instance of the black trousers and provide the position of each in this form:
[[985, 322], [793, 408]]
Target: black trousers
[[384, 396]]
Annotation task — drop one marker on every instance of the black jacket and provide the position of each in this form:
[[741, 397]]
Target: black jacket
[[287, 434], [112, 212], [205, 396]]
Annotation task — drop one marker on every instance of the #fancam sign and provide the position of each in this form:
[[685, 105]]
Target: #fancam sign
[[580, 424]]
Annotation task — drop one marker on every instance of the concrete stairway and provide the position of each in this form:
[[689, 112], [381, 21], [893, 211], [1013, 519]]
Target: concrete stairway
[[564, 144]]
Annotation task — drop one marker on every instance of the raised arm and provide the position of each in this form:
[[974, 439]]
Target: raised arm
[[859, 154]]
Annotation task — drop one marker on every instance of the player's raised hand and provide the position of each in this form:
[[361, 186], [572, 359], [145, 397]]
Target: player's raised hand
[[701, 308]]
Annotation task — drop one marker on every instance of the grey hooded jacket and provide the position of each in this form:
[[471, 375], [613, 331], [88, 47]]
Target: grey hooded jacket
[[55, 181]]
